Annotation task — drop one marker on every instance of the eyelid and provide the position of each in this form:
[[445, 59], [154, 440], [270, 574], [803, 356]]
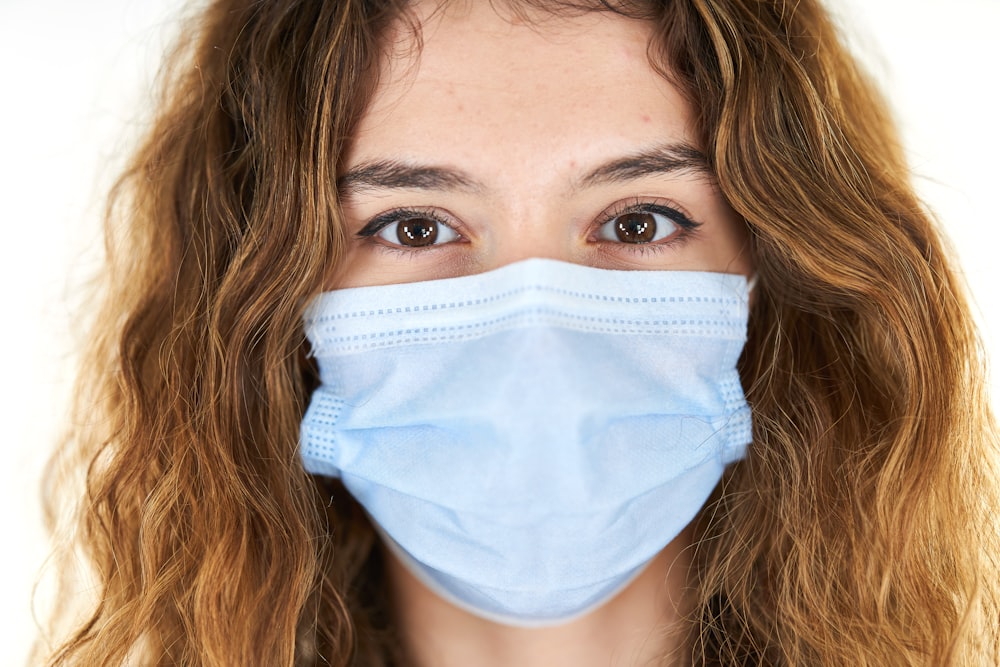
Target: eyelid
[[386, 218], [666, 207]]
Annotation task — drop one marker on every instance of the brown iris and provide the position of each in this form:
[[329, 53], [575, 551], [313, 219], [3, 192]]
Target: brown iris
[[417, 232], [635, 227]]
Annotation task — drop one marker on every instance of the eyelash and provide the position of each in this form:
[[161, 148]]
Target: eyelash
[[686, 226], [383, 220]]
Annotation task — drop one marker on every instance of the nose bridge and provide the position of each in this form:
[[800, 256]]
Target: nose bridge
[[533, 232], [515, 252]]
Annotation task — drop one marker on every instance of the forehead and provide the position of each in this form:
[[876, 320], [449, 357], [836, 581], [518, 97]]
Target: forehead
[[472, 74], [459, 37]]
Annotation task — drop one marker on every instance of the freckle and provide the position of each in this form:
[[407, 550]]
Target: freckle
[[646, 118]]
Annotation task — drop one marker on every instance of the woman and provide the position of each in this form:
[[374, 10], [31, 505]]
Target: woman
[[414, 156]]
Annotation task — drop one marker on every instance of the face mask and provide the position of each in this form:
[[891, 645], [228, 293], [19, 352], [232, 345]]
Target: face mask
[[527, 439]]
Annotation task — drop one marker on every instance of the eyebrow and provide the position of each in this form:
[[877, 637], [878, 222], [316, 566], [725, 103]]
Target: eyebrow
[[396, 175], [667, 159], [673, 158]]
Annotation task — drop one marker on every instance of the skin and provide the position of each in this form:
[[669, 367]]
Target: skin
[[509, 141]]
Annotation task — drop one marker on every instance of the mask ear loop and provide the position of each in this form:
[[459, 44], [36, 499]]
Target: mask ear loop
[[752, 282]]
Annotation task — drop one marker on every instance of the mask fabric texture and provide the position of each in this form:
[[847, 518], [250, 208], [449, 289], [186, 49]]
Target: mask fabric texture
[[527, 439]]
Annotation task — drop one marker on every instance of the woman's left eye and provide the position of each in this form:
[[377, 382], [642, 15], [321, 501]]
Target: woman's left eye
[[640, 226]]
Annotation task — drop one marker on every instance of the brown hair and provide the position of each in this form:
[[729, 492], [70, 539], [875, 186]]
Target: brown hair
[[859, 530]]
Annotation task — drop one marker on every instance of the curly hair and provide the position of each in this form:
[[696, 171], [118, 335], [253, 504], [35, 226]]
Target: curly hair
[[860, 529]]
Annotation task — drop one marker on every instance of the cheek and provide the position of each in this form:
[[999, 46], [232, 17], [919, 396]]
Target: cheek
[[733, 244], [360, 267], [723, 242]]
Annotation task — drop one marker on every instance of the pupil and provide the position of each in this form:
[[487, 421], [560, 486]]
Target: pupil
[[635, 228], [417, 232]]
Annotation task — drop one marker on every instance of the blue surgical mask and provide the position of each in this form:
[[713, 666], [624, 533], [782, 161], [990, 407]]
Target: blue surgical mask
[[526, 440]]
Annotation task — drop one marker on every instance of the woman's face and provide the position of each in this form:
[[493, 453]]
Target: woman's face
[[497, 141]]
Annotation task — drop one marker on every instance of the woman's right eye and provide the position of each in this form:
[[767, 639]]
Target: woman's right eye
[[410, 230]]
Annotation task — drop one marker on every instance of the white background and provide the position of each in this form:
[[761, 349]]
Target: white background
[[73, 83]]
